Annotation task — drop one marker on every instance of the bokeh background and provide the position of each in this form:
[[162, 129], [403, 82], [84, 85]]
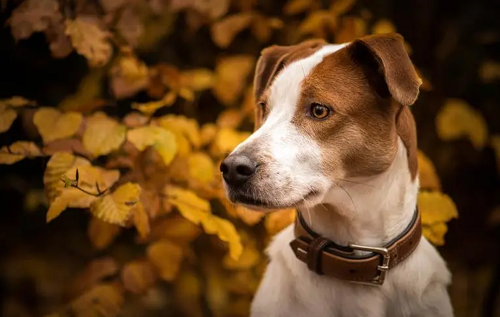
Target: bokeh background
[[144, 98]]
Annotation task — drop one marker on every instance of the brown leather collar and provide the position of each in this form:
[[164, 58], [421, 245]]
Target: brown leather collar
[[323, 256]]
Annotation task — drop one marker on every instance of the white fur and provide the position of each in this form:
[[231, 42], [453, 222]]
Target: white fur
[[370, 211], [384, 206]]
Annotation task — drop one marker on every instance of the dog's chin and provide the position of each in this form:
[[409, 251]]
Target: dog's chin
[[253, 203]]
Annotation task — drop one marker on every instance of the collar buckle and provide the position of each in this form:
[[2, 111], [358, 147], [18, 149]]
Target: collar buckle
[[382, 268]]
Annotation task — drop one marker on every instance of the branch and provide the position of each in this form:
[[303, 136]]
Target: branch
[[68, 182]]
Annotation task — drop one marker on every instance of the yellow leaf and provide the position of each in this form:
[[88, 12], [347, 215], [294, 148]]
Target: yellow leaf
[[141, 220], [18, 151], [436, 207], [183, 126], [262, 27], [90, 40], [103, 134], [232, 73], [128, 76], [7, 117], [101, 233], [383, 26], [318, 23], [103, 300], [250, 217], [435, 232], [53, 125], [166, 258], [208, 132], [116, 208], [138, 276], [230, 118], [427, 173], [163, 141], [224, 31], [201, 167], [177, 229], [188, 203], [278, 220], [188, 294], [340, 7], [227, 139], [150, 107], [16, 102], [58, 165], [293, 7], [94, 272], [197, 210], [88, 91], [226, 232], [197, 79], [457, 119], [351, 29], [89, 176], [248, 259]]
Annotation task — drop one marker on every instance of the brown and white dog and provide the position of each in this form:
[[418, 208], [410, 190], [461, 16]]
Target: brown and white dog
[[335, 139]]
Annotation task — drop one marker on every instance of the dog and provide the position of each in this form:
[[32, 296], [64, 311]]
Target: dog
[[334, 138]]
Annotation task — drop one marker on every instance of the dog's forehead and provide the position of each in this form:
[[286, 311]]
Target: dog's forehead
[[285, 90]]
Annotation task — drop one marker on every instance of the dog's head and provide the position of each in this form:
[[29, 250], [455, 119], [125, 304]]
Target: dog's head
[[324, 113]]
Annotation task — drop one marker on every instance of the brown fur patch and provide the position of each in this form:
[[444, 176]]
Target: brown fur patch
[[360, 135]]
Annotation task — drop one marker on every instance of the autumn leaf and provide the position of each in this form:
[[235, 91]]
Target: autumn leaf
[[176, 229], [94, 272], [248, 259], [128, 76], [489, 71], [427, 173], [138, 276], [182, 126], [103, 134], [116, 208], [34, 16], [90, 40], [141, 220], [163, 141], [101, 234], [319, 24], [250, 217], [226, 232], [230, 118], [150, 107], [383, 26], [102, 300], [198, 79], [231, 76], [91, 180], [10, 154], [58, 165], [207, 133], [436, 209], [293, 7], [224, 31], [166, 257], [7, 117], [278, 220], [130, 26], [188, 203], [226, 140], [188, 294], [16, 102], [340, 7], [351, 29], [54, 125], [86, 97], [201, 167], [457, 119]]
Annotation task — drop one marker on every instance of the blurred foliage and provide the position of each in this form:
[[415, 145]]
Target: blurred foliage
[[139, 142]]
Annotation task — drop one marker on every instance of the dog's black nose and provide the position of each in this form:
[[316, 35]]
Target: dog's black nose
[[238, 168]]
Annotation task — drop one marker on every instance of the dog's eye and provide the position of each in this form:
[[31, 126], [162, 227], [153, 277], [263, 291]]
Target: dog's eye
[[319, 111], [262, 106]]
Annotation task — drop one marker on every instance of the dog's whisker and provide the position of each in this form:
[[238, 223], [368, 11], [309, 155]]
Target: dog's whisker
[[350, 197]]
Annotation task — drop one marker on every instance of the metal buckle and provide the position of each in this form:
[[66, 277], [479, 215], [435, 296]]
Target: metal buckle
[[382, 269]]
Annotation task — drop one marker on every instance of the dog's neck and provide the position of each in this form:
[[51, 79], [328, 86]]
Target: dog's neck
[[368, 211]]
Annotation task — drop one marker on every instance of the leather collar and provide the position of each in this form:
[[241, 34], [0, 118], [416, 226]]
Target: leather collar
[[324, 256]]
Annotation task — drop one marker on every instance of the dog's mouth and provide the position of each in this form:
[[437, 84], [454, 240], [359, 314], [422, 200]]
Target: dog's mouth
[[257, 203]]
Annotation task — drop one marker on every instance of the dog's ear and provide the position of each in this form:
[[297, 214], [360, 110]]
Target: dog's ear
[[384, 56]]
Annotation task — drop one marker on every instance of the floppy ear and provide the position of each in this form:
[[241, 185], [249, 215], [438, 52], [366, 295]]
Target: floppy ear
[[386, 55]]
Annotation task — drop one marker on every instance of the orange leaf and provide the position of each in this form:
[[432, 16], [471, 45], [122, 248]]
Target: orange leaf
[[138, 276], [166, 257], [101, 233]]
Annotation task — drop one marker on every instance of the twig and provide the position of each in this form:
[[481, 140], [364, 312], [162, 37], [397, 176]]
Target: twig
[[68, 182]]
